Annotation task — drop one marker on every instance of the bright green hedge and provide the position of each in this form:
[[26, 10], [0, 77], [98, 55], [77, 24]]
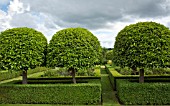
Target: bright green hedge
[[50, 94], [114, 75], [133, 93], [9, 75]]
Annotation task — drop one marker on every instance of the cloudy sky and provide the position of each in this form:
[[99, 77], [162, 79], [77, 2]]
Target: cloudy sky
[[104, 18]]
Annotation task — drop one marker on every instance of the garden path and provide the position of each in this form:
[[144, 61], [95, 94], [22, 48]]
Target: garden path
[[108, 94]]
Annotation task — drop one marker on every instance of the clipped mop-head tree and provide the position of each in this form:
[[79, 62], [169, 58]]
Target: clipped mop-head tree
[[22, 48], [74, 48], [93, 40], [143, 45]]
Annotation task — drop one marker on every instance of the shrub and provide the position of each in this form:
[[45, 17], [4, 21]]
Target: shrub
[[109, 55], [109, 62], [132, 93], [9, 75], [37, 69], [143, 45], [115, 75], [73, 48], [126, 71], [81, 94], [58, 72], [118, 69], [13, 74], [97, 72]]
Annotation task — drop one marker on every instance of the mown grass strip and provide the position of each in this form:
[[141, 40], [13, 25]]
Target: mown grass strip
[[108, 95]]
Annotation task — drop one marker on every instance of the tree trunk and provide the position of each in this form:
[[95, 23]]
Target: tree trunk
[[73, 75], [24, 77], [72, 72], [141, 77]]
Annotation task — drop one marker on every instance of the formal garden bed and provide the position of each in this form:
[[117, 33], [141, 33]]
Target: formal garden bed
[[52, 91], [155, 90], [54, 88]]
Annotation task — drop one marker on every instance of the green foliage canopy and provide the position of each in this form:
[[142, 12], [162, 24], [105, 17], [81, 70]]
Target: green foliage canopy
[[73, 48], [143, 45], [22, 47], [109, 55]]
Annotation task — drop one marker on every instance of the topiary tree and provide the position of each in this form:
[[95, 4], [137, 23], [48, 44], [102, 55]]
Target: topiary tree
[[109, 55], [22, 48], [143, 45], [74, 48], [104, 51], [93, 40]]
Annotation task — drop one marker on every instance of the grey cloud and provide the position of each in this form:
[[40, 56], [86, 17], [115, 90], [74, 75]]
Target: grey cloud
[[147, 8], [96, 14], [92, 14]]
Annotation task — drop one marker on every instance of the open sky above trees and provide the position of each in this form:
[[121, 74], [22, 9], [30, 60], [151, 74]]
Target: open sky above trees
[[104, 18]]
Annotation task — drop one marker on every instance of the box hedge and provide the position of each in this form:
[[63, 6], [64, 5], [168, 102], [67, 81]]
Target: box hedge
[[9, 74], [132, 93], [50, 94], [114, 75]]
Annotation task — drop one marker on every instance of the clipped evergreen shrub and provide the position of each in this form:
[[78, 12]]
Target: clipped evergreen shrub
[[9, 74], [13, 74], [22, 48], [74, 48], [114, 75], [142, 45], [131, 93], [109, 55], [82, 94]]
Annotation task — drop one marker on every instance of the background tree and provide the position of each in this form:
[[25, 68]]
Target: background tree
[[22, 48], [104, 50], [109, 55], [73, 48], [143, 45]]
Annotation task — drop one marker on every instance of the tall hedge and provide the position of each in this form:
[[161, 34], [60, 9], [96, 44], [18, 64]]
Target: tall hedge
[[73, 48], [22, 47], [143, 45]]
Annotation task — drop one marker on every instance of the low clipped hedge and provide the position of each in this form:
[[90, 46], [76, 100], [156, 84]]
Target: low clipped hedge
[[9, 75], [84, 93], [133, 93], [114, 75], [14, 74]]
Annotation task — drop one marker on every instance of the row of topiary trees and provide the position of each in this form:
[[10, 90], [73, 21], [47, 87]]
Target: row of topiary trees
[[23, 48], [142, 45]]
